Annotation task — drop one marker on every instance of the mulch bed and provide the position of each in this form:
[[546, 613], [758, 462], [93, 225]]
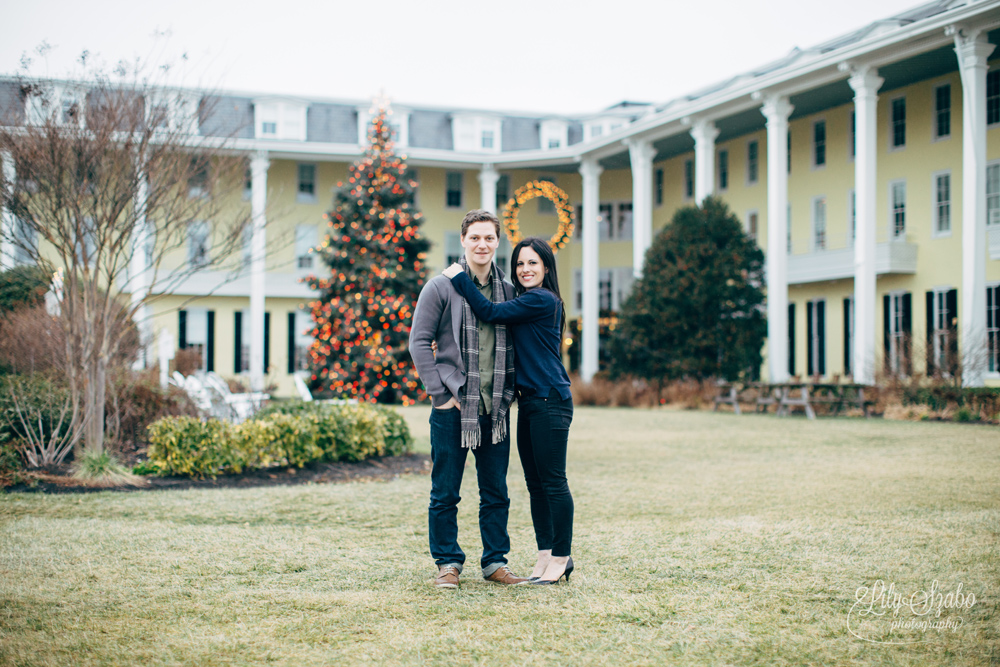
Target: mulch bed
[[388, 467]]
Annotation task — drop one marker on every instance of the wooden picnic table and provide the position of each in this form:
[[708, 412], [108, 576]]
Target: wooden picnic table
[[790, 395]]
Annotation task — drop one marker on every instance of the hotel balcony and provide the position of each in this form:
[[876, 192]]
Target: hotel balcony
[[835, 261]]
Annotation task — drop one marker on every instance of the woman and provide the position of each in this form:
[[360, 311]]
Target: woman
[[537, 319]]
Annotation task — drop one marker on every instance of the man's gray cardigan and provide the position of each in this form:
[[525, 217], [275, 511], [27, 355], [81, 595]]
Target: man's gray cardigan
[[438, 317]]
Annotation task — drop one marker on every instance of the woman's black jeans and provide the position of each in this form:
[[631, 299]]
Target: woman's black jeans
[[542, 433]]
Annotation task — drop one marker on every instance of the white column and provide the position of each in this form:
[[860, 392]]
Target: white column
[[140, 272], [972, 50], [777, 110], [589, 331], [258, 244], [865, 82], [704, 133], [7, 252], [641, 154], [488, 177]]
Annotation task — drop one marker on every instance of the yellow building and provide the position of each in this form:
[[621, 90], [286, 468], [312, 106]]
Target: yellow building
[[868, 169]]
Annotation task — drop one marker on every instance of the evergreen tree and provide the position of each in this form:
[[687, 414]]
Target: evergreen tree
[[697, 312], [375, 255]]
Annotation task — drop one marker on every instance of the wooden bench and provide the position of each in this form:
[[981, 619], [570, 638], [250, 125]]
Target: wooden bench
[[728, 394]]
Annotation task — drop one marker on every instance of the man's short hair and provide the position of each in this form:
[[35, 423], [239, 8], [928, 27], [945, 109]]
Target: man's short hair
[[479, 215]]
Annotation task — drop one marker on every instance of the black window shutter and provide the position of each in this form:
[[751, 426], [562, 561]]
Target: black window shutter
[[810, 332], [885, 333], [267, 341], [821, 335], [791, 339], [847, 337], [291, 343], [210, 361], [907, 332], [951, 303], [930, 334], [238, 342], [182, 329]]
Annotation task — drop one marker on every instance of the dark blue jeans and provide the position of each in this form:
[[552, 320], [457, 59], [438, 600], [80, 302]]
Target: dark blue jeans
[[542, 435], [448, 463]]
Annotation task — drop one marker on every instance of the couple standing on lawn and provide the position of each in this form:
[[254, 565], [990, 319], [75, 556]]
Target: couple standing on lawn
[[485, 329]]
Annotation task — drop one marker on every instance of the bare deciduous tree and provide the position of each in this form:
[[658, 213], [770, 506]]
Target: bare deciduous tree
[[102, 171]]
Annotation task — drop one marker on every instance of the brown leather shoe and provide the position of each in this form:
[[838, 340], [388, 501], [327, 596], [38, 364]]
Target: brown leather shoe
[[447, 577], [503, 575]]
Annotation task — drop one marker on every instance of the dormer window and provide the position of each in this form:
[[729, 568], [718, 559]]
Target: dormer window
[[554, 134], [62, 103], [476, 134], [399, 124], [600, 127], [280, 119], [177, 112]]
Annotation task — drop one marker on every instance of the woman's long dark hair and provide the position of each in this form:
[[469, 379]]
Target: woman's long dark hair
[[550, 280]]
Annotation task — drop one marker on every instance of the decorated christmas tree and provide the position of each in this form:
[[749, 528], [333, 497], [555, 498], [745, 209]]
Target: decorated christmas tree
[[375, 255]]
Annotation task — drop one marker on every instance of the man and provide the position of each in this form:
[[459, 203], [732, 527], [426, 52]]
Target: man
[[471, 383]]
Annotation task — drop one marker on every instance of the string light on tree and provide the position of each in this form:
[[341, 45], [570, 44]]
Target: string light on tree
[[375, 255]]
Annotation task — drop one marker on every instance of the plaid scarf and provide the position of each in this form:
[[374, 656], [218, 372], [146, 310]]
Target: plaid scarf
[[503, 371]]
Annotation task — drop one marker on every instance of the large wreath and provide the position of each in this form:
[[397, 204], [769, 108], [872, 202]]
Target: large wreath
[[540, 189]]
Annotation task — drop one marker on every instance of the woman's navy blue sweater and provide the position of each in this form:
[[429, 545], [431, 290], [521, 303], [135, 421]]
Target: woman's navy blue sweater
[[534, 324]]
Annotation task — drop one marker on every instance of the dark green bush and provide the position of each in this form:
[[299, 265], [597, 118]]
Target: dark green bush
[[976, 400], [11, 463], [23, 286], [41, 395]]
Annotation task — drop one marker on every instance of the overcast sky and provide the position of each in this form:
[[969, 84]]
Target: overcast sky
[[555, 56]]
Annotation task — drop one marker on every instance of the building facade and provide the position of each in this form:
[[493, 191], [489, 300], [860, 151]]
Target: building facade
[[867, 168]]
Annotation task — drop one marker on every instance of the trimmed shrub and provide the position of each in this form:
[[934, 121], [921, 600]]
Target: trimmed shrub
[[189, 446], [293, 434], [396, 432]]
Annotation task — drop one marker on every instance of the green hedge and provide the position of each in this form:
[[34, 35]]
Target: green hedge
[[983, 401], [291, 433]]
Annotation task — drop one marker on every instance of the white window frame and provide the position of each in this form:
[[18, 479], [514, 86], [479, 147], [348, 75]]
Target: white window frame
[[820, 237], [936, 204], [719, 171], [993, 166], [752, 233], [995, 123], [993, 332], [452, 247], [895, 235], [939, 336], [461, 190], [852, 135], [614, 285], [553, 130], [896, 333], [935, 111], [756, 179], [684, 180], [306, 197], [181, 111], [892, 128], [814, 342], [852, 217], [306, 239], [302, 340], [197, 323], [288, 115], [826, 143], [199, 258], [468, 131], [399, 125]]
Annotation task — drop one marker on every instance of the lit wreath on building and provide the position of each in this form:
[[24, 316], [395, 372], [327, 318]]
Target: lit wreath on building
[[528, 192]]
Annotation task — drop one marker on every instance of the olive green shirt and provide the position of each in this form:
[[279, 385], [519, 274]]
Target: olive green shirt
[[487, 350]]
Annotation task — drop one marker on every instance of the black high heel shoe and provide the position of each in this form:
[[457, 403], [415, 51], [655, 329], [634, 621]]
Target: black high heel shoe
[[549, 582]]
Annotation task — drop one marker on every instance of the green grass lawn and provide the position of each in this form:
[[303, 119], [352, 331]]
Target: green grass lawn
[[700, 539]]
